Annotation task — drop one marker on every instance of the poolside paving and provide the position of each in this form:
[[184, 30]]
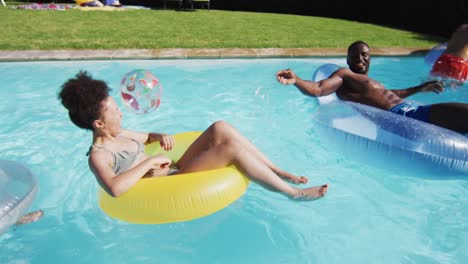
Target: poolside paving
[[25, 55]]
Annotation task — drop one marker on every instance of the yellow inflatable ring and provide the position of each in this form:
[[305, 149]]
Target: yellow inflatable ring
[[176, 198], [79, 2]]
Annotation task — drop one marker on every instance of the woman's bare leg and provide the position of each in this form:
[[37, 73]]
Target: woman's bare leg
[[220, 131], [210, 151], [247, 144]]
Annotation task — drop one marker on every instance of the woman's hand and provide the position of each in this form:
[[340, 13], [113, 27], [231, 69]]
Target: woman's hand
[[160, 161], [167, 142], [160, 166], [157, 173]]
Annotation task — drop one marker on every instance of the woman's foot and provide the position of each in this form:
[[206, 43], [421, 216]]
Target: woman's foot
[[310, 194], [30, 217]]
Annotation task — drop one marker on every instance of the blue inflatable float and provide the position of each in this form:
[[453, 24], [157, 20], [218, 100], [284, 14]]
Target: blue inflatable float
[[434, 54], [373, 135], [18, 189]]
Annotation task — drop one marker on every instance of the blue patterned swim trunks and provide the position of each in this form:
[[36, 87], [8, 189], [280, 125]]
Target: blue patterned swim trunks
[[419, 112]]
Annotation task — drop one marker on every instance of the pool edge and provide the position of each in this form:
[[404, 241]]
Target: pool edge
[[225, 53]]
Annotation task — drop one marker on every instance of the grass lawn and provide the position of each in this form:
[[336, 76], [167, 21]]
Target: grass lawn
[[151, 29]]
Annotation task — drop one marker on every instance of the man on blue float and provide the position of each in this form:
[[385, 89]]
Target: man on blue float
[[453, 63], [353, 84]]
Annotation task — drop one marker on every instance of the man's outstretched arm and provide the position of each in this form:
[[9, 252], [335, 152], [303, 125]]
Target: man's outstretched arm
[[310, 88], [431, 86]]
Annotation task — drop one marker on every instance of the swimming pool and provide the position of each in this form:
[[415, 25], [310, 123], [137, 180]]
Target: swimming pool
[[371, 213]]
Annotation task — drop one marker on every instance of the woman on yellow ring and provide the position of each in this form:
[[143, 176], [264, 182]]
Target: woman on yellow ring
[[117, 156], [174, 199]]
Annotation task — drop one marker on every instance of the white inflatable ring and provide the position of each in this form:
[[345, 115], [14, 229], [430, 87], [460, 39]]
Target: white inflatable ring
[[432, 56], [18, 189]]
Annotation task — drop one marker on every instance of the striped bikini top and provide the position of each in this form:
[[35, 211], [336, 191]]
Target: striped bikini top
[[123, 160]]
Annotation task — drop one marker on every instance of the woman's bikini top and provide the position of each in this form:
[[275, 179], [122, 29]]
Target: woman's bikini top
[[123, 160]]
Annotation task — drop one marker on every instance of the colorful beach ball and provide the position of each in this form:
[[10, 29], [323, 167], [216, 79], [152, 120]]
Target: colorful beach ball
[[141, 91]]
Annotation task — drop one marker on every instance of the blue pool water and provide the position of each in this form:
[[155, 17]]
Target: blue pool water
[[371, 214]]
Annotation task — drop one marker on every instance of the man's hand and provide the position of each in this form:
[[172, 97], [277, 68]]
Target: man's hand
[[432, 86], [286, 76]]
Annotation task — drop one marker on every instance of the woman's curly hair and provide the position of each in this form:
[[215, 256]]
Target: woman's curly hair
[[82, 96]]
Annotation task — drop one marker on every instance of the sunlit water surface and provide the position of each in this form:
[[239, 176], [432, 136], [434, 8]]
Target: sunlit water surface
[[370, 215]]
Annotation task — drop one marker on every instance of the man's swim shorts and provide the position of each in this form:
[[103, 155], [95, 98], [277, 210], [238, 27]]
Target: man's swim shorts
[[448, 66], [411, 110]]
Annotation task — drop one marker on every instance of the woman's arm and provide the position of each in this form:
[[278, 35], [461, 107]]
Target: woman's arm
[[100, 163], [136, 135], [166, 141]]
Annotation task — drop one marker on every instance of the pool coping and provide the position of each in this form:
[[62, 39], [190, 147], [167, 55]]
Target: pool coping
[[197, 53]]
